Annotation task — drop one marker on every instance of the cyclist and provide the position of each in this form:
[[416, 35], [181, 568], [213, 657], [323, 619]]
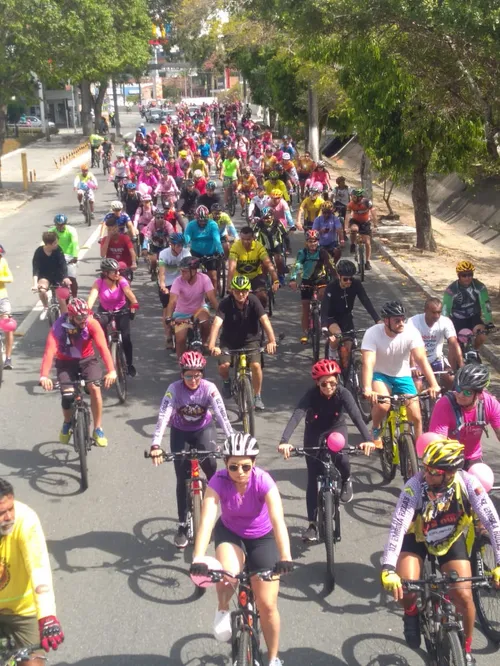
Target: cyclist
[[320, 176], [281, 211], [435, 515], [240, 318], [189, 197], [27, 603], [316, 267], [107, 148], [210, 198], [435, 331], [95, 147], [274, 183], [148, 180], [341, 196], [229, 174], [143, 216], [118, 246], [465, 412], [324, 407], [186, 407], [259, 202], [169, 261], [227, 230], [156, 236], [131, 200], [246, 188], [248, 257], [386, 350], [123, 221], [67, 237], [198, 164], [187, 301], [310, 208], [167, 188], [305, 166], [467, 303], [359, 218], [251, 532], [203, 235], [70, 341], [49, 268], [114, 293], [120, 170], [200, 182], [273, 236], [331, 230], [6, 277], [337, 306], [85, 180]]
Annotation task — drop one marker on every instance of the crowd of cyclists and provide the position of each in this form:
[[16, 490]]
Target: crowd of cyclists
[[171, 213]]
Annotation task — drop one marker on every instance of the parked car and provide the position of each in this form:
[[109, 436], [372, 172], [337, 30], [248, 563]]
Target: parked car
[[153, 115], [34, 121]]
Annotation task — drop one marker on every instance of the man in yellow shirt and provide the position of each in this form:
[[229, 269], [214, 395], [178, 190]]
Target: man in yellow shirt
[[5, 307], [310, 208], [274, 183], [248, 257], [27, 604]]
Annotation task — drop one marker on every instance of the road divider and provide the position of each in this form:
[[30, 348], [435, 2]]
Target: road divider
[[72, 154]]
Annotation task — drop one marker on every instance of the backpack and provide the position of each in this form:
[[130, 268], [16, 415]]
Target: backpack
[[457, 410]]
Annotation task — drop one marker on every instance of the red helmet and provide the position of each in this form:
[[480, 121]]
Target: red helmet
[[312, 234], [77, 307], [192, 360], [325, 368]]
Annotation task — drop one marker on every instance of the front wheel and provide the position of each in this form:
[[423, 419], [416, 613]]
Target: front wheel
[[486, 600], [247, 409], [53, 313], [245, 650], [361, 261], [329, 540], [408, 456], [450, 651], [121, 371], [221, 278], [80, 436], [232, 202], [387, 456], [315, 335]]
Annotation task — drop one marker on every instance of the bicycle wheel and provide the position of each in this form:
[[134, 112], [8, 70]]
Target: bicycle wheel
[[232, 202], [80, 435], [121, 371], [408, 456], [196, 502], [245, 400], [245, 649], [486, 600], [221, 278], [53, 313], [315, 335], [355, 388], [450, 651], [387, 456], [2, 359], [86, 212], [270, 299], [329, 542], [361, 261]]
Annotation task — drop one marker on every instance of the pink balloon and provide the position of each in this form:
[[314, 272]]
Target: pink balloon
[[484, 474], [463, 334], [425, 439], [212, 563], [62, 293], [8, 325], [335, 442]]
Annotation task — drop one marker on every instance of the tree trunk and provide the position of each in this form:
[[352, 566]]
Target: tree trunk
[[3, 134], [420, 198], [489, 134], [366, 175], [86, 107], [117, 115], [312, 113], [98, 103]]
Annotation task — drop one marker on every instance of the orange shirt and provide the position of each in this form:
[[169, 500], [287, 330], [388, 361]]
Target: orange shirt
[[361, 212]]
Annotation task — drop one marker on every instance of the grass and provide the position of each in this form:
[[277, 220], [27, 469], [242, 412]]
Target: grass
[[21, 141]]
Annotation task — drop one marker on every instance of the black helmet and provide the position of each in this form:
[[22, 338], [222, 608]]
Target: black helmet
[[392, 309], [346, 268], [109, 265], [190, 262], [472, 376], [215, 208]]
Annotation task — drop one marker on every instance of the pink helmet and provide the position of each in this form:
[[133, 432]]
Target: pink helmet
[[192, 360], [77, 307]]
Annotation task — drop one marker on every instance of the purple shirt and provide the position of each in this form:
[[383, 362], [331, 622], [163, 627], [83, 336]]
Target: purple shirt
[[245, 515], [112, 299]]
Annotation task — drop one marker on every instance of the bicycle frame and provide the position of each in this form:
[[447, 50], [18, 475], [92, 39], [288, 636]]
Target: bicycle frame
[[396, 423]]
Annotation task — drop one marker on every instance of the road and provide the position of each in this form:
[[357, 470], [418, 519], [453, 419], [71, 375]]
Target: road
[[122, 589]]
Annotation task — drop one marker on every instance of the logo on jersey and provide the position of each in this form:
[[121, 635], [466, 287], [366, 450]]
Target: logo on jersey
[[192, 413], [4, 574]]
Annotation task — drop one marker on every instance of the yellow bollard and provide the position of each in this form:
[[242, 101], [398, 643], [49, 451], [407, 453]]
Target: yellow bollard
[[24, 168], [55, 162]]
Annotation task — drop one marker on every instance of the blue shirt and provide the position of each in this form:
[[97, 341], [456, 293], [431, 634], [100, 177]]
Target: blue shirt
[[204, 149], [328, 229], [204, 241], [122, 220]]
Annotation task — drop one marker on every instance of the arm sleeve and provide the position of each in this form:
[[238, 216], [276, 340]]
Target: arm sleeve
[[288, 217], [485, 303], [63, 266], [366, 302], [353, 410], [74, 247], [297, 267], [483, 506], [447, 303], [401, 521], [48, 354], [295, 418], [164, 416], [219, 410], [100, 342]]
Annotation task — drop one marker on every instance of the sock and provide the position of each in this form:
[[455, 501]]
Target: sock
[[412, 611], [468, 643]]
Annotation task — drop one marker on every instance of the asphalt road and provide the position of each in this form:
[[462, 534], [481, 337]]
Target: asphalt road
[[122, 589]]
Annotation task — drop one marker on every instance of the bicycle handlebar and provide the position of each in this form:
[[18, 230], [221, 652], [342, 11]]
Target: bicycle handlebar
[[299, 451], [217, 575], [192, 454], [246, 350], [433, 581], [399, 399]]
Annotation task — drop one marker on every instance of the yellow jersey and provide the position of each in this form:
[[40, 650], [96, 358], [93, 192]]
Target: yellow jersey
[[25, 575], [269, 186], [5, 277], [248, 263], [311, 209]]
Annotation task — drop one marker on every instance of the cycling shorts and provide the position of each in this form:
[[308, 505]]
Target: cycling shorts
[[260, 553], [22, 628], [457, 551], [364, 228], [345, 322], [397, 385], [210, 264], [204, 439], [68, 370], [258, 283], [469, 323], [252, 357], [307, 288]]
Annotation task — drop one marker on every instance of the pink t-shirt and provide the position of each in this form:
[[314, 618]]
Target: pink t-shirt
[[443, 422], [190, 297], [112, 299]]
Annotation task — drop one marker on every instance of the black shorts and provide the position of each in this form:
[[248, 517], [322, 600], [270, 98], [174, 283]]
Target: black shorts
[[252, 357], [209, 264], [22, 628], [468, 463], [458, 550], [307, 288], [344, 322], [258, 283], [164, 298], [260, 553], [469, 323], [204, 439], [68, 371], [364, 228]]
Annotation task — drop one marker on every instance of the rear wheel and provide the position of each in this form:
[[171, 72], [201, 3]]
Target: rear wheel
[[232, 201], [2, 359], [329, 542], [53, 313], [408, 456], [121, 371], [245, 650], [80, 435], [315, 335], [247, 410], [450, 651], [486, 600], [196, 502], [387, 456]]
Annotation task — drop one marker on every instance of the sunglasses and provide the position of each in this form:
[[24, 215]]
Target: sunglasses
[[466, 392], [346, 279], [433, 472], [330, 383], [466, 274], [244, 468], [191, 378]]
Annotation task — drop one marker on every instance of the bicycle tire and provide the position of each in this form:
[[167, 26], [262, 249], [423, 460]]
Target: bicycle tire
[[329, 540], [408, 456], [221, 278], [387, 456], [121, 372], [196, 502], [245, 649], [450, 651], [53, 314], [80, 435], [86, 212], [364, 405], [270, 301], [486, 600], [2, 359], [361, 263], [247, 408], [232, 203], [315, 335]]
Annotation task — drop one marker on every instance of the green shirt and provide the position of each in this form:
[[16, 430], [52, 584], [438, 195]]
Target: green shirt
[[95, 140], [230, 168], [68, 240]]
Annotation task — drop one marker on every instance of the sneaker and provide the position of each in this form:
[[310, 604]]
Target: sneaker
[[222, 626], [65, 434], [180, 539], [469, 659], [275, 661], [352, 249], [8, 364], [346, 492], [131, 370], [411, 630], [92, 216], [368, 266], [258, 404], [99, 437], [226, 390], [311, 534], [43, 314]]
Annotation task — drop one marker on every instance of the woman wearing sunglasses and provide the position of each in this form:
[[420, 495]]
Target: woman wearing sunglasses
[[465, 412], [324, 407], [435, 514], [251, 532]]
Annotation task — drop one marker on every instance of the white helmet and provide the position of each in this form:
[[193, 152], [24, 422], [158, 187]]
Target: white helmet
[[197, 173], [116, 205], [240, 444]]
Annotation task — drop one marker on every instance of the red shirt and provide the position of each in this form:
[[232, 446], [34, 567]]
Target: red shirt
[[119, 248]]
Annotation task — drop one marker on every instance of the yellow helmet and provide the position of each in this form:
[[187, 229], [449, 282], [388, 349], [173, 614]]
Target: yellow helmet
[[276, 193], [465, 266], [445, 454]]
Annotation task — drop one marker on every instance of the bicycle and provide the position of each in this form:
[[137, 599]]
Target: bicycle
[[440, 623], [194, 341], [398, 439], [328, 513], [106, 163], [54, 311], [115, 344], [359, 257], [87, 213], [314, 329], [469, 352], [11, 654], [486, 599], [352, 375], [232, 198], [426, 402]]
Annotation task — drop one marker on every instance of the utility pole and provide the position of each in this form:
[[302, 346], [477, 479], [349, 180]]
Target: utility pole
[[117, 115]]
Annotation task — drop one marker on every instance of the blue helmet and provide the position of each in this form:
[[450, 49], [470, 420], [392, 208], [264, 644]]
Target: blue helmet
[[177, 239], [266, 211], [131, 186], [60, 218]]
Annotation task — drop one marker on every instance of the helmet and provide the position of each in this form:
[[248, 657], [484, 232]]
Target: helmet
[[211, 185], [325, 368], [285, 156], [327, 207], [131, 186], [201, 213], [159, 212], [359, 192], [215, 208], [392, 309], [146, 198], [240, 444], [241, 283], [197, 174], [312, 234], [346, 268], [120, 156], [279, 169], [276, 193], [274, 175], [472, 376], [182, 153], [320, 163], [177, 239], [464, 266], [444, 454], [109, 265], [189, 183], [60, 218], [317, 188], [190, 262], [116, 205], [84, 167], [77, 307], [192, 360]]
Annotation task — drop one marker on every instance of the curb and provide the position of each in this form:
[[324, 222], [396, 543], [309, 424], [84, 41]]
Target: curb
[[488, 352]]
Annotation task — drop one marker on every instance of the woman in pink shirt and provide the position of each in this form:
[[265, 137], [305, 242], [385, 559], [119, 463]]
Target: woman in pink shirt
[[167, 188]]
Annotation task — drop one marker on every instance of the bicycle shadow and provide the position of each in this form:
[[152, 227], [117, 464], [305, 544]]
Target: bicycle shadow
[[381, 650], [123, 660]]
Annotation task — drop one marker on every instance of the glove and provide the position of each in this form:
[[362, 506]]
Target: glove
[[390, 580], [51, 633], [284, 567], [495, 574], [198, 569]]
